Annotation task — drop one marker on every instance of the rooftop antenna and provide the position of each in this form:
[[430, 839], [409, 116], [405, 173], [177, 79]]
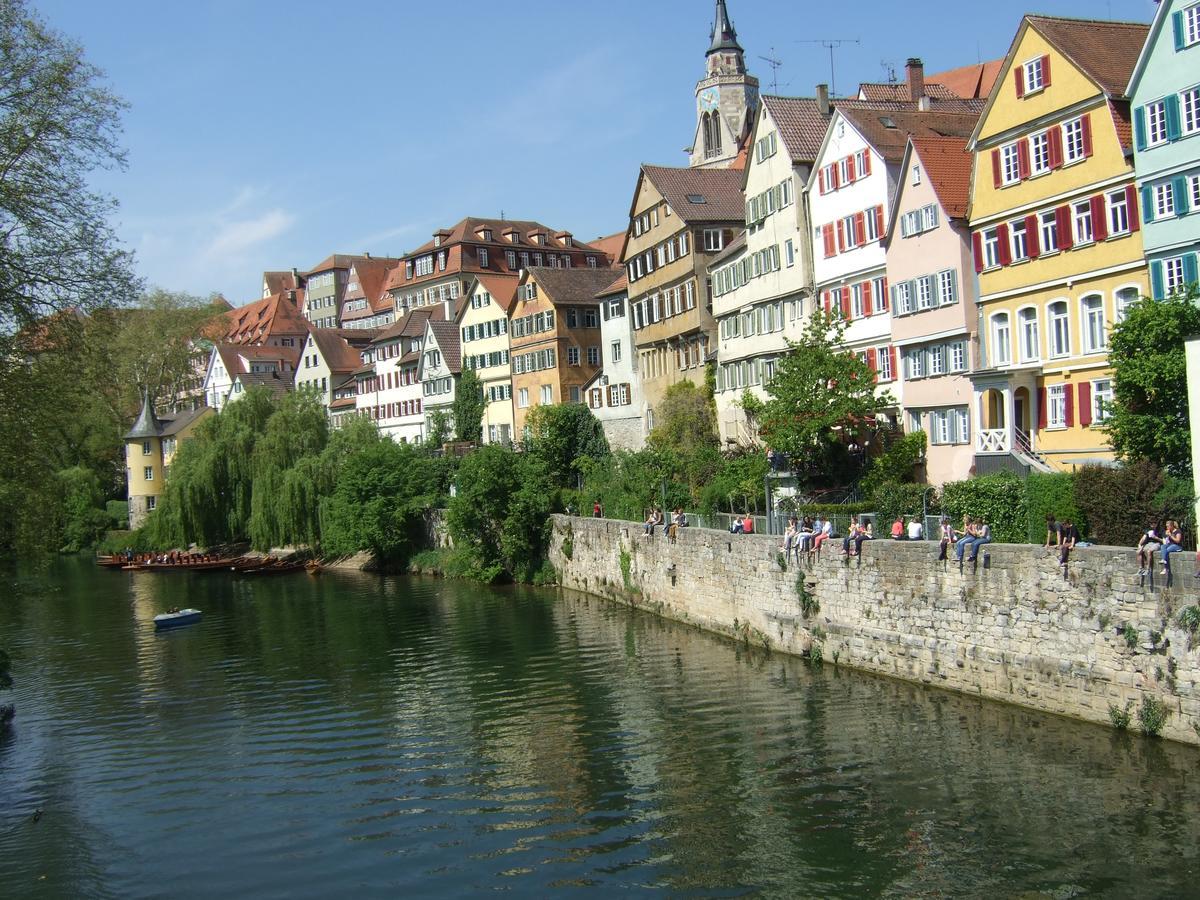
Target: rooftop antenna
[[831, 44], [775, 64], [889, 70]]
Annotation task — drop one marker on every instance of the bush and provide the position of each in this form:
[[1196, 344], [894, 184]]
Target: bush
[[997, 499], [892, 499], [1153, 715], [118, 513], [1045, 495], [1119, 503], [897, 465]]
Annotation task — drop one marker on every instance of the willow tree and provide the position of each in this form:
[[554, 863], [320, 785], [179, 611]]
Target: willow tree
[[284, 507]]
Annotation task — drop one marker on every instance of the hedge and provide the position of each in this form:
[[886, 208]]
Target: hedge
[[997, 499]]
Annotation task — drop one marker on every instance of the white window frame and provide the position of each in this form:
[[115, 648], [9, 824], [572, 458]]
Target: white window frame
[[1000, 338], [1039, 153], [1156, 123], [1010, 164], [1102, 400], [1173, 275], [1081, 222], [1034, 75], [1047, 229], [1117, 205], [1189, 111], [714, 240], [1191, 25], [1058, 328], [1091, 318], [1164, 199], [1056, 406], [1029, 339], [1072, 141]]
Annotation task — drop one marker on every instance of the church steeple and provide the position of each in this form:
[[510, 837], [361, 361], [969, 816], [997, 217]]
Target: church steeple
[[724, 35]]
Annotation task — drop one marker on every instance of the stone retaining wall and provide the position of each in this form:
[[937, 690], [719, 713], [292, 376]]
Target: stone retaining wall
[[1015, 630]]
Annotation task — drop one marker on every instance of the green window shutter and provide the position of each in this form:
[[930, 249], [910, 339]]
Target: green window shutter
[[1147, 204], [1189, 269], [1156, 279], [1172, 105], [1177, 26], [1139, 127], [1179, 188]]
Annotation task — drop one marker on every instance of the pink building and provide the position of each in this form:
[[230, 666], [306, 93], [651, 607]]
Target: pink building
[[934, 318]]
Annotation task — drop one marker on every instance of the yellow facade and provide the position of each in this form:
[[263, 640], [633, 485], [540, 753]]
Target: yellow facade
[[1047, 311], [487, 315], [142, 458]]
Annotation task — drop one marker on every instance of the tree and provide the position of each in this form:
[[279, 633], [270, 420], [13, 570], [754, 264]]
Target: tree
[[1149, 414], [686, 419], [438, 429], [563, 434], [469, 406], [820, 392], [58, 125]]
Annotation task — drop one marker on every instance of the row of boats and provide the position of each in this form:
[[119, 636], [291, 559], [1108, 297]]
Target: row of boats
[[193, 562]]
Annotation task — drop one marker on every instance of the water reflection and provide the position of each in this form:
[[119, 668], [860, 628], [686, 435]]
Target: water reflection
[[428, 737]]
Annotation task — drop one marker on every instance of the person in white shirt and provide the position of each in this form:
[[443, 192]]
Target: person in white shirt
[[916, 531]]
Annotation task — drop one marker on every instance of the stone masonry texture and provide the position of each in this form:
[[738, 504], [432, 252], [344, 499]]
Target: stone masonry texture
[[1014, 630]]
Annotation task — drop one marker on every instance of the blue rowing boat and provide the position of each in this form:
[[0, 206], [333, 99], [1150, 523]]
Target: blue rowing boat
[[176, 618]]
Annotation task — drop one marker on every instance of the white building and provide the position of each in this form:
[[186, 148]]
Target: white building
[[227, 362], [439, 369], [615, 394], [328, 357], [395, 389]]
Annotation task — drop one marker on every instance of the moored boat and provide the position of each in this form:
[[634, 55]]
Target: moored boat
[[176, 618]]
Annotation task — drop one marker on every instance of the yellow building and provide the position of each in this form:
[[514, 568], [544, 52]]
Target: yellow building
[[1056, 241], [150, 446], [483, 332]]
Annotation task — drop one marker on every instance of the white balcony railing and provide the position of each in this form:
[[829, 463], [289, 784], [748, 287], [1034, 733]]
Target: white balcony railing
[[993, 441]]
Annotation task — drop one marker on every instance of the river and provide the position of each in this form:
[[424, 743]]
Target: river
[[348, 734]]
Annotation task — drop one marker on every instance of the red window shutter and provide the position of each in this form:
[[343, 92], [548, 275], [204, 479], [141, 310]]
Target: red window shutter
[[1005, 248], [977, 248], [1056, 150], [1069, 394], [866, 164], [845, 302], [841, 235], [1043, 413], [996, 179], [1019, 78], [1085, 403], [867, 305], [837, 178], [1046, 71], [1023, 160], [1131, 204], [1099, 218], [892, 360], [1066, 239], [882, 300], [828, 235], [825, 301], [850, 168], [1086, 123], [873, 359], [879, 221], [860, 228], [1032, 238], [821, 181]]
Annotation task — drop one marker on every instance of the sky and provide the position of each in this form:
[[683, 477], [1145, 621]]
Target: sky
[[268, 134]]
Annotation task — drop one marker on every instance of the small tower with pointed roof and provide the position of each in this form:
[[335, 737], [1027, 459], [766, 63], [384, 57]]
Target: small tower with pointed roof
[[149, 448], [726, 98]]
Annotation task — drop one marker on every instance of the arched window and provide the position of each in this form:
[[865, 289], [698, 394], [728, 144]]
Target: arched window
[[1029, 342], [1126, 297], [1060, 329], [1001, 340], [712, 134], [1092, 311]]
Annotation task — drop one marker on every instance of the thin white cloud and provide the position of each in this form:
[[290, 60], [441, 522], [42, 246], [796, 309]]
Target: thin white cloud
[[235, 238]]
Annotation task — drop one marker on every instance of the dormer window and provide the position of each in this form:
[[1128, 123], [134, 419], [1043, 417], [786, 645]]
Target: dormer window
[[437, 240], [486, 234]]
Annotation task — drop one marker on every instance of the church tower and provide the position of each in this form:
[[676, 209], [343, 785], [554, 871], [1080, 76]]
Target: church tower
[[726, 98]]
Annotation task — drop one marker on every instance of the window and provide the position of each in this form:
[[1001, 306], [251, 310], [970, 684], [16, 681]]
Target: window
[[1189, 102], [947, 287], [1074, 140], [991, 248], [789, 249], [593, 356], [1081, 215], [572, 356], [145, 448], [148, 473], [883, 356], [958, 356], [1030, 345], [1164, 200], [1174, 277], [483, 257], [1194, 190], [1017, 237], [925, 296], [916, 175], [914, 364], [547, 394], [1156, 123], [1060, 329], [937, 360], [713, 240], [1056, 406], [1001, 340], [1010, 164], [151, 503], [523, 398], [902, 300], [1049, 232], [1118, 213], [1102, 400], [1039, 153], [1126, 297], [1093, 324], [1035, 75]]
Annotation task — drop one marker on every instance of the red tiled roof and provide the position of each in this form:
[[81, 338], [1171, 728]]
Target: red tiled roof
[[446, 335], [891, 141], [503, 288], [973, 82], [947, 163], [1119, 109], [255, 322], [337, 352], [335, 261], [411, 324], [700, 195], [612, 245], [617, 287], [1104, 51], [278, 282], [876, 90], [801, 125], [467, 229], [371, 274]]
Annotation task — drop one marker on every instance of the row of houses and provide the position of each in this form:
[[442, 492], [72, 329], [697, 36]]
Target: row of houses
[[980, 230]]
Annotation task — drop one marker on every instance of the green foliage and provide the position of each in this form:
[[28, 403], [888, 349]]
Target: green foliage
[[1119, 503], [788, 505], [118, 513], [84, 520], [686, 419], [1050, 494], [563, 435], [438, 429], [820, 392], [286, 486], [1149, 417], [1153, 715], [469, 407], [891, 499], [1120, 717], [568, 543], [738, 485], [626, 567], [627, 483], [997, 499], [1131, 636], [500, 512], [1189, 620], [898, 464], [809, 605]]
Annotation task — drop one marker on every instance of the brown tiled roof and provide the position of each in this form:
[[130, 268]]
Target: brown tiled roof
[[335, 261], [718, 192], [611, 245], [446, 335], [942, 105], [466, 230], [1104, 51], [1119, 109], [276, 382], [371, 274], [173, 423], [411, 324], [947, 163], [801, 125], [891, 142], [337, 352], [278, 282], [256, 321], [973, 82], [572, 285], [617, 287], [503, 288], [876, 90], [343, 403]]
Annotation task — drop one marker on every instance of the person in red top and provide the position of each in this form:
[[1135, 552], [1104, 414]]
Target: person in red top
[[597, 512], [898, 529], [747, 524]]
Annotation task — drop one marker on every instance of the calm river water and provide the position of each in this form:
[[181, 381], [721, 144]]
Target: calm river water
[[348, 735]]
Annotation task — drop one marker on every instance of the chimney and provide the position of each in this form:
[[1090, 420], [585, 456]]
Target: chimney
[[914, 71], [366, 254], [823, 99]]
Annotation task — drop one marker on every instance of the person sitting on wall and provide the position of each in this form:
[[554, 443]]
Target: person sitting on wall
[[651, 520], [945, 539], [851, 534], [1068, 537], [1173, 543], [898, 529], [821, 533], [865, 533], [1053, 532], [597, 510], [790, 538], [916, 530], [747, 524], [1149, 544], [983, 535], [968, 535], [736, 525], [804, 536]]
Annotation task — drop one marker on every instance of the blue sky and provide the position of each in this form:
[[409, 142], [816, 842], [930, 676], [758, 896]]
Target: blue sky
[[266, 134]]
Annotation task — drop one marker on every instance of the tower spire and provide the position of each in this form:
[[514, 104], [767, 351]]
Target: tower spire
[[724, 35]]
